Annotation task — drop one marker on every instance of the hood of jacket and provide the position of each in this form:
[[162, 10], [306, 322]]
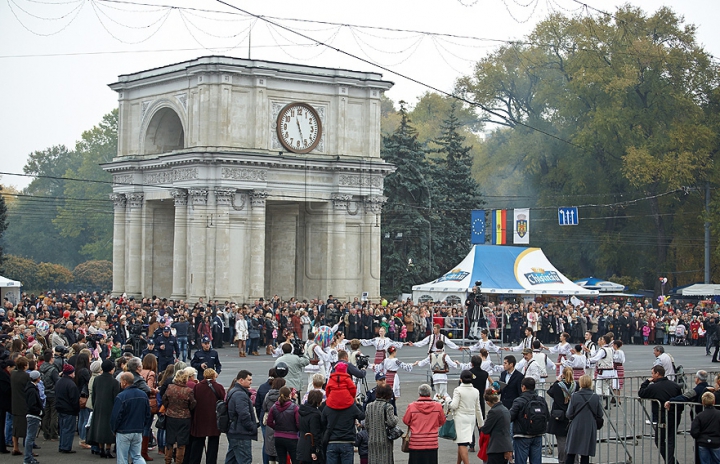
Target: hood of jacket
[[282, 407], [307, 410]]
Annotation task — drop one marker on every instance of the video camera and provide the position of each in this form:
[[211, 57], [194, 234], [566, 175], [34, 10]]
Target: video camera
[[362, 361], [477, 297], [298, 347]]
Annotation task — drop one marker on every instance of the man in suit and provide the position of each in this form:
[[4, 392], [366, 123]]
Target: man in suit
[[512, 379]]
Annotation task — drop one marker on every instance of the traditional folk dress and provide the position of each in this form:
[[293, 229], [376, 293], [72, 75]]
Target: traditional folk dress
[[440, 363], [381, 345], [618, 363], [389, 367], [577, 363], [487, 344], [563, 351]]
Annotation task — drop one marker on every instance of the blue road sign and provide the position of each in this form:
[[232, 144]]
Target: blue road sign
[[568, 216]]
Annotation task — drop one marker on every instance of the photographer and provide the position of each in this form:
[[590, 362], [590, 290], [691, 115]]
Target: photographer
[[351, 369], [295, 364]]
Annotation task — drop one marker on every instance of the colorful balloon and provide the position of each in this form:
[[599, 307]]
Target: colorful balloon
[[324, 336], [66, 314], [42, 327]]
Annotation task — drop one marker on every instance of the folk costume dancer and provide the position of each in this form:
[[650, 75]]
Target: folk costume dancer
[[563, 351], [390, 366], [381, 344]]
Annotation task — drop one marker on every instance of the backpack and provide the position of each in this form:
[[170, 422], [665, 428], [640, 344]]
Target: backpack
[[46, 375], [535, 414], [438, 364], [221, 411]]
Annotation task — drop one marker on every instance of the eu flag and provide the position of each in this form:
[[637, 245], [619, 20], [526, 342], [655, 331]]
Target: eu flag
[[477, 226]]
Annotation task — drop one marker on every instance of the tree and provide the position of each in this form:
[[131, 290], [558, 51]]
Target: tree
[[3, 221], [93, 275], [21, 269], [52, 276], [406, 227], [457, 194]]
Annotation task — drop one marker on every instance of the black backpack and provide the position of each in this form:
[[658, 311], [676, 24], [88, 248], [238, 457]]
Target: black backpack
[[221, 411], [535, 414]]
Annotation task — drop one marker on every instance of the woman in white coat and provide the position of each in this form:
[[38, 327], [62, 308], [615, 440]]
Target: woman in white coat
[[466, 407], [241, 332]]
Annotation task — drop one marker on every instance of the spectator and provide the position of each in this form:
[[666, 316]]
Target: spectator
[[665, 360], [466, 405], [6, 365], [129, 417], [82, 380], [339, 426], [67, 403], [497, 426], [243, 423], [424, 417], [658, 387], [178, 400], [102, 395], [379, 415], [204, 420], [309, 450], [705, 429], [268, 433], [561, 391], [49, 374], [692, 396], [284, 419], [18, 379], [340, 389], [584, 410], [525, 443], [295, 365], [34, 407]]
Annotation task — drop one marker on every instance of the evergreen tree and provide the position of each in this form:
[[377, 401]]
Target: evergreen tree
[[457, 194], [3, 223], [406, 227]]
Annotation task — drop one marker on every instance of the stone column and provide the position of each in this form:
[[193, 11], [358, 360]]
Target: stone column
[[257, 244], [180, 245], [197, 239], [371, 245], [223, 203], [119, 203], [134, 243], [338, 263]]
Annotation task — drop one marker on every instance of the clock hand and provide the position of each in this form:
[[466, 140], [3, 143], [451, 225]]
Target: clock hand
[[299, 129]]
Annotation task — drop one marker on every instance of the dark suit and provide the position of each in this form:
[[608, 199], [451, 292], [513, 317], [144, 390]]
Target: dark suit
[[479, 382], [497, 425], [512, 388]]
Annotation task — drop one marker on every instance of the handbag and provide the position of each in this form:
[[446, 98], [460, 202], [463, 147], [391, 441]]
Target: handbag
[[448, 429], [405, 445], [160, 422], [392, 432], [84, 394]]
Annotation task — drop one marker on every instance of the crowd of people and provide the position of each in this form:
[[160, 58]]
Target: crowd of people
[[131, 376]]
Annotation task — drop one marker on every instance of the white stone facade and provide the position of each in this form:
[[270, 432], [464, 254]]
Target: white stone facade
[[208, 202]]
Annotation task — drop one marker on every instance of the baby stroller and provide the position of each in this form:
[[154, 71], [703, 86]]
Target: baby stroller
[[681, 336]]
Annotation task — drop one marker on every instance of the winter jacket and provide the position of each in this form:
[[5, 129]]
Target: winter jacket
[[497, 425], [424, 417], [362, 442], [131, 411], [49, 375], [5, 391], [260, 396], [204, 420], [310, 422], [32, 399], [705, 428], [284, 419], [243, 424], [340, 423], [516, 412], [67, 397], [340, 390], [662, 390]]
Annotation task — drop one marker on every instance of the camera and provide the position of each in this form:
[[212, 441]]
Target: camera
[[477, 296], [298, 347], [138, 329], [362, 361]]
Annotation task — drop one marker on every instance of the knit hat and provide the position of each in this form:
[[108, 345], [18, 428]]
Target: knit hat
[[68, 369], [34, 375], [96, 367]]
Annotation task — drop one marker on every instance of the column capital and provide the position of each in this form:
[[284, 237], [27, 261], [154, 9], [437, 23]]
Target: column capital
[[224, 196], [374, 203], [135, 199], [340, 201], [119, 200], [180, 196], [258, 198], [198, 196]]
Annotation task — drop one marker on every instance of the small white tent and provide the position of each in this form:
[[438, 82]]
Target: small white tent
[[701, 290], [9, 289], [504, 270]]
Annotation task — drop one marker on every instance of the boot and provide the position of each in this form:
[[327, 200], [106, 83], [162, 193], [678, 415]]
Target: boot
[[144, 449], [180, 454], [168, 454], [268, 350]]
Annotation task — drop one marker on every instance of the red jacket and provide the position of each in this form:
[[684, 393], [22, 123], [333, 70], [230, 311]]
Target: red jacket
[[340, 390], [424, 417]]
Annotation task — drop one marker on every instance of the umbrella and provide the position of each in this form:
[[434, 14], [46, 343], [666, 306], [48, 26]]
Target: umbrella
[[324, 336]]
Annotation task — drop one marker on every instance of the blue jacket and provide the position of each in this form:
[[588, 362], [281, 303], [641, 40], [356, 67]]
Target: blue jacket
[[131, 411], [209, 358], [243, 424]]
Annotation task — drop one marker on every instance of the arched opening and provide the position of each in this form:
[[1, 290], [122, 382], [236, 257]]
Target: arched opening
[[164, 133]]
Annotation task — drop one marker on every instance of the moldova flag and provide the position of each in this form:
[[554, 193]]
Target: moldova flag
[[499, 227]]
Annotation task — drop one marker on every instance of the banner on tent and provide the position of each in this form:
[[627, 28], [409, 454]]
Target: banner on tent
[[521, 226]]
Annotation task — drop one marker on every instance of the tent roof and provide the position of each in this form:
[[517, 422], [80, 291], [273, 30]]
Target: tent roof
[[505, 270], [5, 282], [701, 290], [599, 284]]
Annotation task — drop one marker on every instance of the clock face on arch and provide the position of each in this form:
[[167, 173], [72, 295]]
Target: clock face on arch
[[299, 128]]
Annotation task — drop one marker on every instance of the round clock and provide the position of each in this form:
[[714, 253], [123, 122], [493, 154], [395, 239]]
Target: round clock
[[299, 128]]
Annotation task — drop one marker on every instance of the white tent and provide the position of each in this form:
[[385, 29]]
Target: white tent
[[9, 289], [701, 290], [504, 270]]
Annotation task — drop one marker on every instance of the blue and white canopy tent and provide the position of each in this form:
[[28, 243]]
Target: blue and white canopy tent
[[603, 286], [505, 270]]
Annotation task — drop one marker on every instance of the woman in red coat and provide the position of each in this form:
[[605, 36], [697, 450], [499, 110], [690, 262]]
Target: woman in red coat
[[204, 422], [424, 418]]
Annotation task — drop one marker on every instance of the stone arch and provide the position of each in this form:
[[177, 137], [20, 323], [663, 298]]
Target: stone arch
[[164, 132]]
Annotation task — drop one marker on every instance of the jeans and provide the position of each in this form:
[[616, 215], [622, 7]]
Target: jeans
[[161, 438], [129, 445], [265, 457], [239, 451], [709, 341], [285, 447], [339, 453], [709, 455], [183, 347], [8, 428], [67, 426], [33, 425], [50, 419], [82, 421], [524, 447]]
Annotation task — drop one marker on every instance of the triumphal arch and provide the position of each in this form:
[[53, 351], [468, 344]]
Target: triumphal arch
[[238, 179]]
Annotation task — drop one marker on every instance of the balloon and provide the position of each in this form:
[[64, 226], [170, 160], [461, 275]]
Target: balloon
[[66, 314], [384, 303], [324, 336], [42, 327]]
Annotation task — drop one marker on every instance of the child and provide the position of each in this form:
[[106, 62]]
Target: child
[[361, 443], [115, 351]]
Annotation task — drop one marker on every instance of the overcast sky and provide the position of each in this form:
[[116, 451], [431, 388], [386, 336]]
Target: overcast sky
[[57, 56]]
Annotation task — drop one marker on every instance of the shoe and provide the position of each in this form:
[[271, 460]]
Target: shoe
[[97, 452], [68, 451], [17, 453], [109, 455], [4, 451], [85, 446], [35, 446]]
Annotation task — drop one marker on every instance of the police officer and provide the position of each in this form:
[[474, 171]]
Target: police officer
[[168, 349], [150, 349], [206, 358]]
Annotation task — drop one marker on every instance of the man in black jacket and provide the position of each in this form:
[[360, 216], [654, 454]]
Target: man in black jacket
[[6, 365], [49, 374], [512, 379], [34, 415], [339, 426], [525, 445], [692, 396], [705, 429], [67, 403], [659, 387]]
